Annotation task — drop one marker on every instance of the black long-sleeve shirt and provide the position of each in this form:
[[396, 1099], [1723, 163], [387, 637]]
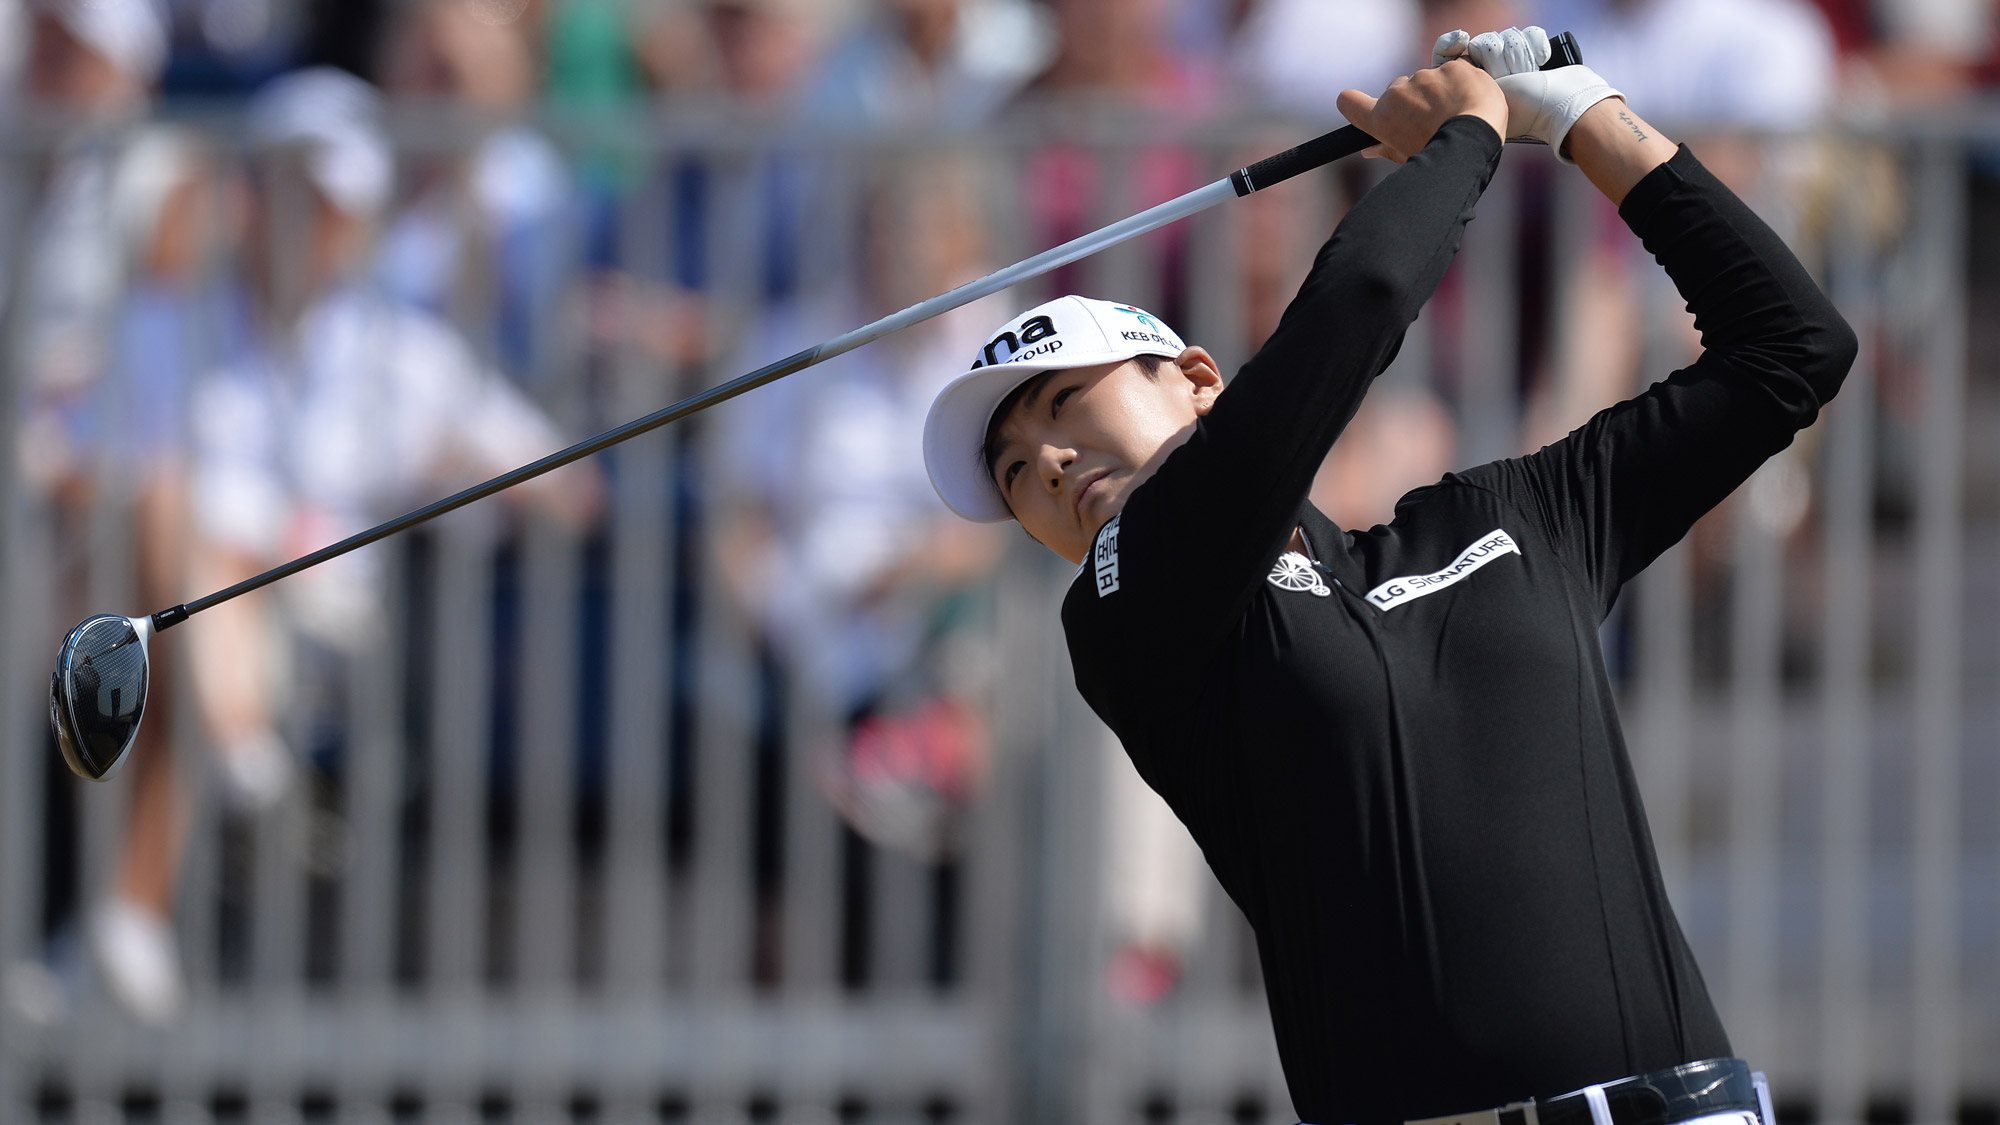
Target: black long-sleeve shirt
[[1401, 755]]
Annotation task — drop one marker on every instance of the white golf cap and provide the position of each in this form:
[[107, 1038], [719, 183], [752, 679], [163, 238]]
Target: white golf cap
[[337, 118], [1066, 332]]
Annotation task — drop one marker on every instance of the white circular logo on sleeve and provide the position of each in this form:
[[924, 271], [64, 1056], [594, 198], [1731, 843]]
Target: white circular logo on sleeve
[[1295, 572]]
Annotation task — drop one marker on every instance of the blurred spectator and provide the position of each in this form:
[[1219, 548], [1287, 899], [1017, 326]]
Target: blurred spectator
[[1765, 64], [347, 34], [1602, 313], [837, 543], [1739, 64], [95, 58], [166, 206], [738, 225], [591, 63], [750, 55], [1737, 67], [338, 405], [1118, 58], [226, 48], [1278, 232], [1124, 51], [93, 65], [102, 350], [346, 402], [1440, 16], [765, 49], [464, 53], [1401, 438], [1296, 56], [1913, 51], [485, 233], [1155, 883], [756, 208], [673, 49], [941, 63]]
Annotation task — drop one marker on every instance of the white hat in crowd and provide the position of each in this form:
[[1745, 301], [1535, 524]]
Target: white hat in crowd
[[130, 33], [337, 118], [1066, 332]]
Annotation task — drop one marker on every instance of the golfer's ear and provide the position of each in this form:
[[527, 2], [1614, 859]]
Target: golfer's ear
[[1199, 368]]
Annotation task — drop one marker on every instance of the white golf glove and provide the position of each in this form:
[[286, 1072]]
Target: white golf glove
[[1542, 105], [1498, 53]]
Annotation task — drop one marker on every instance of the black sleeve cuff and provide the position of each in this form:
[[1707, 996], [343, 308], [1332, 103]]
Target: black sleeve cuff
[[1647, 195], [1472, 128]]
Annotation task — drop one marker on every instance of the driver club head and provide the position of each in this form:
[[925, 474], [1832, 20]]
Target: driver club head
[[98, 692]]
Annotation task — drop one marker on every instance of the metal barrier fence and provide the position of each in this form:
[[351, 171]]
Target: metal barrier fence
[[563, 849]]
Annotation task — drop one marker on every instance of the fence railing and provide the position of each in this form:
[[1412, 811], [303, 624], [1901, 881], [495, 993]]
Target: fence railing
[[574, 832]]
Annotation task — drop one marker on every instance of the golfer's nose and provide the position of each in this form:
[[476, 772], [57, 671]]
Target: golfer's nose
[[1053, 463]]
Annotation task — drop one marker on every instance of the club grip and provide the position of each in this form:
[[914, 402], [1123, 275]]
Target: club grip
[[1563, 51], [1348, 140], [1323, 149]]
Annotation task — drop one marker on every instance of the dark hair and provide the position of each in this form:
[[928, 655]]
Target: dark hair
[[990, 448]]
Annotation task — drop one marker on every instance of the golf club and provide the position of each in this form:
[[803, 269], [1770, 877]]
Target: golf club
[[98, 693]]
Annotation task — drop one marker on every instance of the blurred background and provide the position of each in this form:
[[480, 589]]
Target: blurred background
[[726, 778]]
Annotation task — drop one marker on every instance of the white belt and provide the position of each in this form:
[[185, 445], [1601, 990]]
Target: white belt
[[1600, 1110]]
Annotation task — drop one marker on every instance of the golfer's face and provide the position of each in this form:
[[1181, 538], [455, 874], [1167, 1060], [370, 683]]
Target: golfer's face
[[1078, 441]]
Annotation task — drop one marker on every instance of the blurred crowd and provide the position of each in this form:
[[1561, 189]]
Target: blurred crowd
[[956, 63], [431, 252]]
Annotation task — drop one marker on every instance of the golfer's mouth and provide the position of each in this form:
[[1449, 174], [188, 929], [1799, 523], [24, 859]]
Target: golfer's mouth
[[1086, 488]]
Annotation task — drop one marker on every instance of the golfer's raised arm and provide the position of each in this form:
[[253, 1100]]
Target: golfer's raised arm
[[1231, 495], [1630, 482], [1616, 148]]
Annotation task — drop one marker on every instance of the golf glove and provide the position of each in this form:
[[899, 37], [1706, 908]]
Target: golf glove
[[1499, 53], [1542, 105]]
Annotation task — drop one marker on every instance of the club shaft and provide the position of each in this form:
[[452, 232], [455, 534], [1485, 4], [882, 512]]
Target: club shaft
[[1312, 154]]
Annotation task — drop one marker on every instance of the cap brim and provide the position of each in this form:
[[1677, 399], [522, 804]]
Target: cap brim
[[955, 437]]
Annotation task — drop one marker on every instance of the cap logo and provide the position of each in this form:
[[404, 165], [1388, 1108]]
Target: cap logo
[[1145, 317], [1023, 342], [1152, 335]]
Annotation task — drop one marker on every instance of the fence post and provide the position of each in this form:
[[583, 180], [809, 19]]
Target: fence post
[[455, 929], [544, 862], [1058, 922], [1939, 641], [21, 684], [1756, 638], [1846, 691]]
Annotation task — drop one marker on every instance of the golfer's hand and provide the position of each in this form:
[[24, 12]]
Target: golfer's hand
[[1542, 105], [1517, 50], [1410, 111]]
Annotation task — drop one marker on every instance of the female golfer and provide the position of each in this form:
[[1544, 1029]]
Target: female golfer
[[1398, 747]]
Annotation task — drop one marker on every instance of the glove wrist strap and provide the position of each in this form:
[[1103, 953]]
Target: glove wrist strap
[[1572, 112]]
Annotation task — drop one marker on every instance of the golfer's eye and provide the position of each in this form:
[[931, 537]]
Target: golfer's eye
[[1012, 471], [1061, 396]]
